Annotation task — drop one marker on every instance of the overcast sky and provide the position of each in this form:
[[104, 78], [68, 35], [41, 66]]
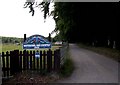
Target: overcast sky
[[15, 21]]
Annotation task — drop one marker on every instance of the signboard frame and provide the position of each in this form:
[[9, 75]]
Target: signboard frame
[[36, 42]]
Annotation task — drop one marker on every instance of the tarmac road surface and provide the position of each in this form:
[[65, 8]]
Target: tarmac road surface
[[91, 67]]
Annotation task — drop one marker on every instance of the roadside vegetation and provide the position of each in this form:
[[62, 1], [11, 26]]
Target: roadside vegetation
[[109, 52], [68, 66]]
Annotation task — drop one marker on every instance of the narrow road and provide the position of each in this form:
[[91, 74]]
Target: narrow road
[[91, 67]]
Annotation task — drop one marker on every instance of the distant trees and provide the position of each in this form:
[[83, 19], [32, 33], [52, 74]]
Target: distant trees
[[11, 40]]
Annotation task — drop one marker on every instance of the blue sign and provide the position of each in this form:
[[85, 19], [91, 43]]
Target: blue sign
[[37, 55], [36, 42]]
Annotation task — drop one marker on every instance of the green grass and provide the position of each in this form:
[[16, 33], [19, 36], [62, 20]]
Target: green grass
[[108, 52], [9, 47]]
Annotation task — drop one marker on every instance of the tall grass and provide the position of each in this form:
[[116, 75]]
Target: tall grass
[[68, 66]]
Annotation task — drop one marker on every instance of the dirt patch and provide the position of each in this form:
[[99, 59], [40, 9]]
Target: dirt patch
[[31, 77]]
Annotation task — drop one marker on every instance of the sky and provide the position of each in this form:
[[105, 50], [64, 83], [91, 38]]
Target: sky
[[15, 21]]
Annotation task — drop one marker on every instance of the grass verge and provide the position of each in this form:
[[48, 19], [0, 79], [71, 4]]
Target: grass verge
[[108, 52], [68, 67]]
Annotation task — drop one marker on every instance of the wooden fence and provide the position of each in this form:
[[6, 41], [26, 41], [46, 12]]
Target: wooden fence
[[18, 61]]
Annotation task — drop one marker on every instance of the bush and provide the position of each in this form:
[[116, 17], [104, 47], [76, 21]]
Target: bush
[[67, 68]]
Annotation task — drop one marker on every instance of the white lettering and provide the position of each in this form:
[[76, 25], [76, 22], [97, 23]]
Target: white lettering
[[38, 45]]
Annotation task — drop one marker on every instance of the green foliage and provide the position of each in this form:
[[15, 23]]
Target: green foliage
[[67, 68], [43, 5], [65, 18], [11, 40], [85, 22], [57, 38]]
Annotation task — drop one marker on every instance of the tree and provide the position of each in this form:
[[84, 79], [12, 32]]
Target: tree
[[89, 23], [43, 5]]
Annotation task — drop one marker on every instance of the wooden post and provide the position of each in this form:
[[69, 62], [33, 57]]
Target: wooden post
[[20, 61], [3, 62], [44, 60], [31, 67], [24, 60], [7, 63], [27, 59], [24, 37], [34, 60], [16, 61], [49, 60], [55, 60], [11, 62], [58, 60], [41, 60], [37, 62], [49, 37]]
